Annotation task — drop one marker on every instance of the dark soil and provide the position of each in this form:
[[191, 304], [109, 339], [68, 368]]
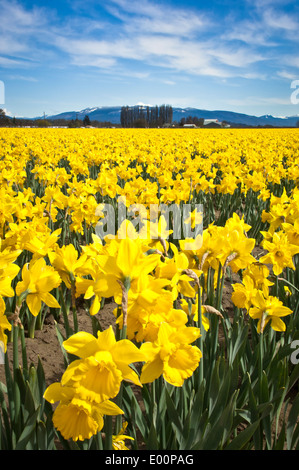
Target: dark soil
[[45, 344]]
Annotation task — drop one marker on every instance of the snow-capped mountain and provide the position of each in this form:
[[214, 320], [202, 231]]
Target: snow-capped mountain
[[112, 114]]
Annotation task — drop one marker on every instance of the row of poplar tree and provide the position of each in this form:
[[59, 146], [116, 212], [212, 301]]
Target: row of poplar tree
[[146, 116]]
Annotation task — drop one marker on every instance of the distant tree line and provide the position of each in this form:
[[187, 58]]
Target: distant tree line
[[198, 122], [146, 116], [7, 121]]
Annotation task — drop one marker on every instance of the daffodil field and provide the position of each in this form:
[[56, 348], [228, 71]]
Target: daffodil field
[[204, 350]]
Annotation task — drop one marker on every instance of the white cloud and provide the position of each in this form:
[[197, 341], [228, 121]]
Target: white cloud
[[287, 75], [251, 32], [169, 52], [121, 48], [160, 35], [21, 29], [93, 61], [23, 78], [15, 18], [291, 61], [279, 20], [266, 26], [11, 46], [160, 18], [258, 100], [150, 33], [8, 62], [234, 57]]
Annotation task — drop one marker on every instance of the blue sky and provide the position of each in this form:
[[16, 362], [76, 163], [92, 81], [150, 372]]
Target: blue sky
[[58, 56]]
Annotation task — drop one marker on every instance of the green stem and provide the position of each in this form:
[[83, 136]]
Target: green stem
[[260, 391], [74, 309], [261, 358], [200, 339], [220, 285], [96, 326], [99, 441], [68, 329], [31, 326], [39, 321], [118, 418], [108, 433], [215, 322], [287, 282], [16, 390], [24, 353], [15, 346]]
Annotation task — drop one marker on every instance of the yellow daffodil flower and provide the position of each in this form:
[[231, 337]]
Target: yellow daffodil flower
[[243, 293], [68, 263], [118, 441], [194, 312], [4, 325], [171, 355], [280, 252], [268, 309], [38, 280], [77, 418], [103, 364]]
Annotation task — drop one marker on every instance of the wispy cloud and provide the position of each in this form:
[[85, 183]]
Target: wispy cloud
[[149, 38], [25, 78], [159, 18], [258, 101], [8, 62], [287, 75], [19, 20], [21, 33], [279, 20], [236, 57], [153, 50], [160, 35]]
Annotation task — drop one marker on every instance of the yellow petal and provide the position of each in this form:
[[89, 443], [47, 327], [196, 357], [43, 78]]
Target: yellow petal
[[126, 352], [49, 300], [151, 370], [81, 344], [95, 306], [5, 287], [127, 256], [34, 303], [107, 407]]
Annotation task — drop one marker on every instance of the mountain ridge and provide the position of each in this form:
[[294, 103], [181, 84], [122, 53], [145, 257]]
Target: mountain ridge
[[112, 114]]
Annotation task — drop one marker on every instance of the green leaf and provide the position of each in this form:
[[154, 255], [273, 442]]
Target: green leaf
[[242, 439], [214, 386], [196, 414], [28, 431], [173, 415], [279, 445], [239, 339], [29, 405], [221, 398], [41, 436], [254, 417], [61, 339], [133, 411], [294, 376], [220, 430], [6, 430], [152, 440], [265, 399], [292, 422]]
